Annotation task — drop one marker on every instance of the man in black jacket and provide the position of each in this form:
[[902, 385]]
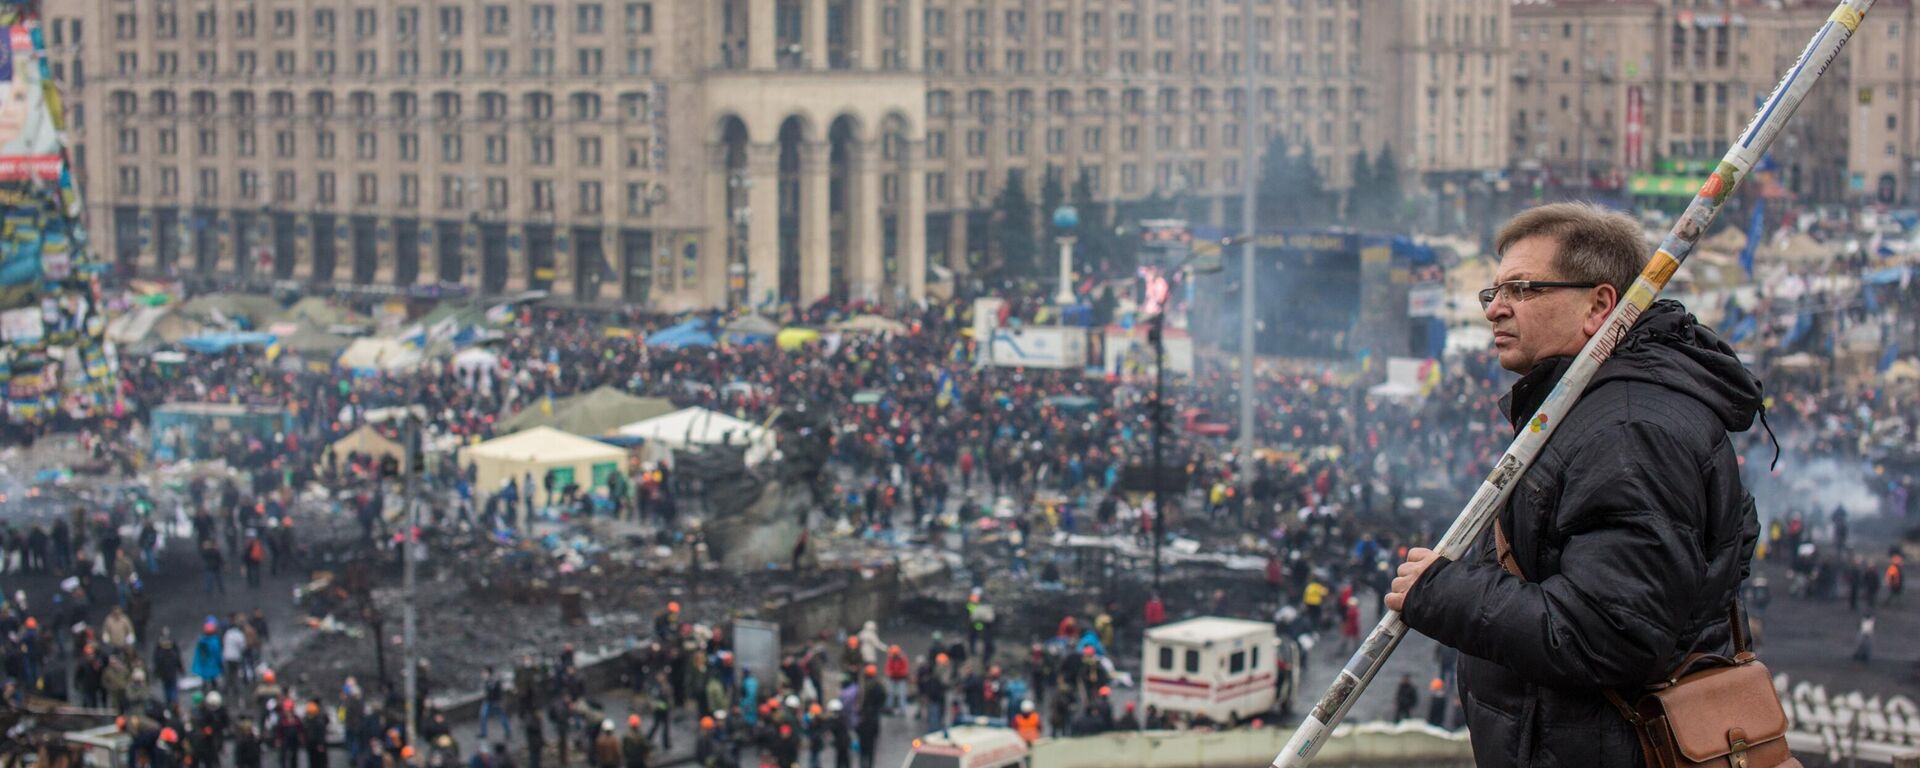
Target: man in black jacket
[[1632, 526]]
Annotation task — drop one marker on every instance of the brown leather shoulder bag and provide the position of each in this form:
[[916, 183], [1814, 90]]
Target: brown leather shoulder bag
[[1711, 711]]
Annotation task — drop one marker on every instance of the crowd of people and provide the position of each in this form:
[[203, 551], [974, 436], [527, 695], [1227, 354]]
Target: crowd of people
[[1346, 481]]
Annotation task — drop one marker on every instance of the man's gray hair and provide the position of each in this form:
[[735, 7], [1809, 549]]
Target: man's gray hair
[[1596, 245]]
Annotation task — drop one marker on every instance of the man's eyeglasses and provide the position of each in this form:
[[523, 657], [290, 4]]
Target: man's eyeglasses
[[1515, 291]]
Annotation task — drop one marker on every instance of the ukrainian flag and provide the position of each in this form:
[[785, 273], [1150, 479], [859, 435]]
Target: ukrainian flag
[[947, 390]]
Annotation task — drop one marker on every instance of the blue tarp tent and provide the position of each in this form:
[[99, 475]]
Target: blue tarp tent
[[216, 343], [1887, 276], [673, 339], [692, 333]]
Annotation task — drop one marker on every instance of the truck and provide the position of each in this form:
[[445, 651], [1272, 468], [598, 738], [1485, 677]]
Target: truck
[[1225, 669]]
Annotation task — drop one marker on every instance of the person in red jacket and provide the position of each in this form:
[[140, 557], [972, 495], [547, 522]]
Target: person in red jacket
[[898, 670], [1156, 613]]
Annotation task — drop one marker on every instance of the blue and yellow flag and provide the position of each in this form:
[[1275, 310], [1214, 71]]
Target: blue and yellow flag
[[947, 390]]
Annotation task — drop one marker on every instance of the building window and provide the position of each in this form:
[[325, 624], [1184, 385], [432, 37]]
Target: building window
[[410, 147], [450, 146], [451, 193], [450, 19], [497, 190], [589, 19], [409, 190], [367, 146], [640, 18], [284, 190], [366, 189], [588, 151], [323, 144], [589, 194], [129, 180], [496, 150], [495, 19], [542, 150], [586, 107], [937, 187], [542, 195]]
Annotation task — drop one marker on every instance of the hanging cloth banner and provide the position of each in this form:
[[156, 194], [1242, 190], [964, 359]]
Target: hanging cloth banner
[[29, 141]]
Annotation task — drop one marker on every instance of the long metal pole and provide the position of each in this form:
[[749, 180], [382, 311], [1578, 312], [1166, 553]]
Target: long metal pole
[[1312, 733], [407, 565], [1249, 191], [1159, 425]]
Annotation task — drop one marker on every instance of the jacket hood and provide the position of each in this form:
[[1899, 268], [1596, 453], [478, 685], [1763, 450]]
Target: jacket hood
[[1670, 348], [1666, 347]]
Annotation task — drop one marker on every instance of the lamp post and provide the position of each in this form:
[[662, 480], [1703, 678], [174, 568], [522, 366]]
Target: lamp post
[[1156, 336], [1065, 219]]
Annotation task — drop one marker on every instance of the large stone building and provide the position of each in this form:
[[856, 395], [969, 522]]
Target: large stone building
[[1604, 90], [683, 153]]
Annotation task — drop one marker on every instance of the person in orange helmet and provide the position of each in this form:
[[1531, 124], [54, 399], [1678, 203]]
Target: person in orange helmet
[[635, 747], [898, 669]]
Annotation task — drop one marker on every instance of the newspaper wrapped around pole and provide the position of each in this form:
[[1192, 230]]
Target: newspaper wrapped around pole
[[1745, 153]]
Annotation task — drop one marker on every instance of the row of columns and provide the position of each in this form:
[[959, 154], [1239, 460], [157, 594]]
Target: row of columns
[[223, 228], [762, 50], [865, 272]]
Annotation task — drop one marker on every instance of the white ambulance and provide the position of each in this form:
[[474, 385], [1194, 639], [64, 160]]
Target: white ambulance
[[1226, 669], [969, 746]]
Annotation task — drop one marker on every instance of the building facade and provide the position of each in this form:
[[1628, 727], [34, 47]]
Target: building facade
[[696, 153], [1605, 91]]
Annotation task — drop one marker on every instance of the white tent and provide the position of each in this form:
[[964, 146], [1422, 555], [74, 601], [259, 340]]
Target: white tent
[[700, 426], [379, 355], [473, 359], [537, 452]]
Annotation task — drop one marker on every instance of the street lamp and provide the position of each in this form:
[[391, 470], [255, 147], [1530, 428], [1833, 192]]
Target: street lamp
[[1156, 336], [1065, 219]]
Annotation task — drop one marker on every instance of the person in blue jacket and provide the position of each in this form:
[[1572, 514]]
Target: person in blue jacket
[[206, 656]]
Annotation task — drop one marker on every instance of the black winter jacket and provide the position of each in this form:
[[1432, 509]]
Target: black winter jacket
[[1634, 531]]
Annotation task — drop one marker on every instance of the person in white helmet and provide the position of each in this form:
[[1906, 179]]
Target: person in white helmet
[[837, 731], [606, 748]]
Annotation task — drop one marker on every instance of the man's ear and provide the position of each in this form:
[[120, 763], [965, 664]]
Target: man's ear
[[1601, 305]]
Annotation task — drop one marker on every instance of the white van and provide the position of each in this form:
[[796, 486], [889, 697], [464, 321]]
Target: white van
[[968, 746], [1226, 669]]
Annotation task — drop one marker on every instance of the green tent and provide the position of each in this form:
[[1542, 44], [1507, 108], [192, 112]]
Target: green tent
[[592, 413]]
